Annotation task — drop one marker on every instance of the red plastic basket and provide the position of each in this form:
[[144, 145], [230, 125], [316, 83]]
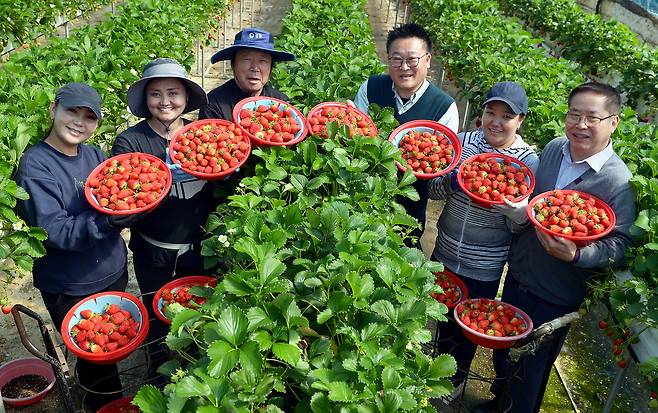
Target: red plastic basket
[[173, 286], [21, 367], [579, 241], [461, 287], [94, 202], [97, 304], [122, 405], [253, 102], [317, 109], [431, 127], [530, 179], [488, 341], [202, 175]]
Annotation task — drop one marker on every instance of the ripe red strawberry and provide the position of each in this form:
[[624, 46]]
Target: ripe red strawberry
[[603, 325], [95, 348], [112, 309], [86, 314], [6, 309], [117, 318]]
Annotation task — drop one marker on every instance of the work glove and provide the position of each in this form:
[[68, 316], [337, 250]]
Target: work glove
[[516, 211], [125, 221]]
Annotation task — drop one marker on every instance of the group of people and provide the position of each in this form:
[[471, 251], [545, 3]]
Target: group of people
[[546, 276]]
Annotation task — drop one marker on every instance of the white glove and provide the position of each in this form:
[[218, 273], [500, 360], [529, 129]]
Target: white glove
[[515, 211]]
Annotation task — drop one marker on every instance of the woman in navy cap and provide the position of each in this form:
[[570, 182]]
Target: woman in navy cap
[[85, 253], [473, 242], [252, 55], [166, 242]]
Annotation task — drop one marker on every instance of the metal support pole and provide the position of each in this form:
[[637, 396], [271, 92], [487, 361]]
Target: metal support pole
[[66, 29], [388, 10], [397, 11], [381, 4], [252, 13], [203, 70], [224, 46], [616, 384], [197, 56], [241, 9], [114, 9], [232, 15], [441, 77], [466, 114], [406, 9]]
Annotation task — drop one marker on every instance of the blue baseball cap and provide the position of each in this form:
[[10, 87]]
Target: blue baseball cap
[[79, 95], [511, 93], [253, 38]]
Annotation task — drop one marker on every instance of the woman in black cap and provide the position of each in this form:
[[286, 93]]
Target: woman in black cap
[[85, 253], [166, 242], [252, 56], [473, 242]]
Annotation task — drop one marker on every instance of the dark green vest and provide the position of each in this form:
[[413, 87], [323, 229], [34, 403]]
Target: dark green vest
[[431, 106]]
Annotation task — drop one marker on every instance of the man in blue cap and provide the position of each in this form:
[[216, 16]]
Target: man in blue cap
[[252, 55]]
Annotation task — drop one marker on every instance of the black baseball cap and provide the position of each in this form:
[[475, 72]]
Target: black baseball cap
[[511, 93], [73, 95]]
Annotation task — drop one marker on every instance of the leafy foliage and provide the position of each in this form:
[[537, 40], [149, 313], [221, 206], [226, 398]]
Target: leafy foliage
[[335, 53], [321, 306], [23, 21], [596, 44], [108, 56]]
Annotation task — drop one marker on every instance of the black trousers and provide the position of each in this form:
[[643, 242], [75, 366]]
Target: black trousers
[[416, 209], [530, 377], [101, 378], [154, 267]]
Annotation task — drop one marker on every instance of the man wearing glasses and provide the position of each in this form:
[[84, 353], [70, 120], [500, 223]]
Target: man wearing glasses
[[407, 91], [547, 274]]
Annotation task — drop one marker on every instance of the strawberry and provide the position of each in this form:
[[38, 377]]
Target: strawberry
[[86, 314], [112, 309], [117, 318]]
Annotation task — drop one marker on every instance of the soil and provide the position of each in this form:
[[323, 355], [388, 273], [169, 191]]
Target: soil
[[25, 386]]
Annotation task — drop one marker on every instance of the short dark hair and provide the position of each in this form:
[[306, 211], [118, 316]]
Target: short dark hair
[[612, 98], [406, 31]]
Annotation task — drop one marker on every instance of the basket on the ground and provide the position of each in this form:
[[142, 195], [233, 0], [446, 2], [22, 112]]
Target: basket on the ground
[[21, 367], [454, 289], [172, 287], [98, 305], [492, 323]]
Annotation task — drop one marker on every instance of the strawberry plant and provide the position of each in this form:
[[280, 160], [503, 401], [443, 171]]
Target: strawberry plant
[[23, 21], [576, 33], [321, 307], [108, 56], [335, 54]]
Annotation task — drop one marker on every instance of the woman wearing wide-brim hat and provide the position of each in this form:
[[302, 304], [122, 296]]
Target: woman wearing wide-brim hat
[[252, 57], [165, 243]]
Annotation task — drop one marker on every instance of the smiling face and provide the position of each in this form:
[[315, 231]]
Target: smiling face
[[251, 70], [587, 140], [71, 127], [407, 79], [500, 124], [166, 99]]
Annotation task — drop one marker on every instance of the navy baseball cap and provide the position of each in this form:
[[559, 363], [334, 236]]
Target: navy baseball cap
[[252, 38], [511, 93], [79, 95]]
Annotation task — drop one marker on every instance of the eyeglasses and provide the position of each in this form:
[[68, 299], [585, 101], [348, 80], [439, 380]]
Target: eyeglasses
[[396, 62], [574, 119]]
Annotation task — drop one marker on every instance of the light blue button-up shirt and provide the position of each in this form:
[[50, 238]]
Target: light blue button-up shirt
[[570, 170]]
